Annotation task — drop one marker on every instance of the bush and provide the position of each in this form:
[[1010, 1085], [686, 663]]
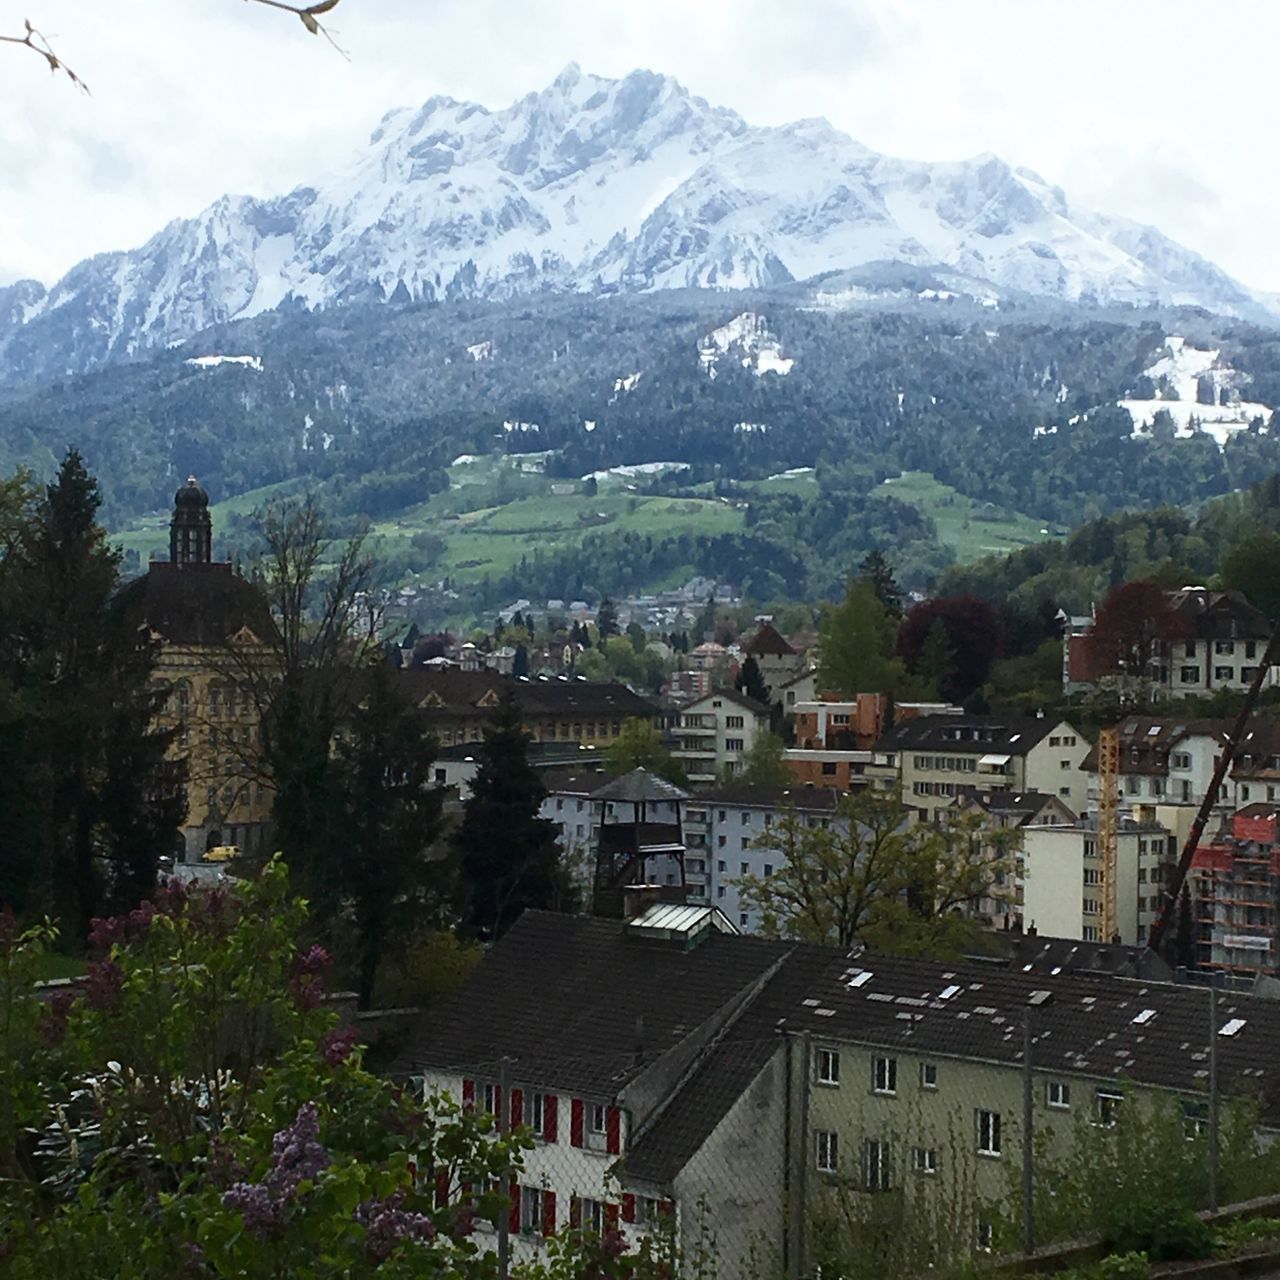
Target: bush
[[1162, 1231]]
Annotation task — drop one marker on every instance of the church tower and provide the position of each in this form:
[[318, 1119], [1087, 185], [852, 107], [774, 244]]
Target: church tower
[[191, 529]]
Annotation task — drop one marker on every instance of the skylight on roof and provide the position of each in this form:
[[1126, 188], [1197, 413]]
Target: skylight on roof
[[1232, 1027], [860, 979], [1154, 731], [947, 992], [1144, 1017]]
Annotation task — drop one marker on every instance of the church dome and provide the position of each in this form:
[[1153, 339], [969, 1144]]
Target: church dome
[[191, 495]]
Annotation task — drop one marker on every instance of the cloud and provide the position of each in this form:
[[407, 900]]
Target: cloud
[[1122, 105]]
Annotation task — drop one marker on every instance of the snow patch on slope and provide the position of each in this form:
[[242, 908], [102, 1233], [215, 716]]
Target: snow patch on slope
[[212, 362], [749, 338], [1184, 374]]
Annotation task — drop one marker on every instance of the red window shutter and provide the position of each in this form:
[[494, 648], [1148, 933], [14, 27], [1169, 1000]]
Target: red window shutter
[[575, 1123], [517, 1108], [613, 1130], [575, 1212], [469, 1095], [442, 1188], [513, 1222], [548, 1213], [550, 1118], [611, 1217], [628, 1208]]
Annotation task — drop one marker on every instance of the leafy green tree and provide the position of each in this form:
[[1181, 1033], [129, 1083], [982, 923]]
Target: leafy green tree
[[387, 817], [640, 746], [91, 801], [763, 764], [508, 856], [877, 875], [855, 643], [1252, 567]]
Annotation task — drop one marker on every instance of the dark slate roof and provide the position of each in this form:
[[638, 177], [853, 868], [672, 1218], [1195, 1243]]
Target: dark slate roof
[[639, 786], [667, 1144], [731, 695], [1152, 738], [199, 604], [461, 692], [560, 996], [1218, 615], [1035, 953], [1012, 735], [1258, 755], [565, 780], [750, 795], [768, 642], [1085, 1027]]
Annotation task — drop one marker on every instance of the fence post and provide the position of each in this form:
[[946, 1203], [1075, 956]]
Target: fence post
[[504, 1219], [1028, 1139], [1213, 1097]]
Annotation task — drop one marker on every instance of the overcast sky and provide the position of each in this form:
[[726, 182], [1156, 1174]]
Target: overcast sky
[[1162, 111]]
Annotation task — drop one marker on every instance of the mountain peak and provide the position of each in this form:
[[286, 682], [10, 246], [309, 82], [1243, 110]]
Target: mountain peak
[[595, 183]]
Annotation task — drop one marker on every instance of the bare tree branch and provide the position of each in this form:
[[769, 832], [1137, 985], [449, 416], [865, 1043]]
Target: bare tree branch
[[33, 40], [308, 14]]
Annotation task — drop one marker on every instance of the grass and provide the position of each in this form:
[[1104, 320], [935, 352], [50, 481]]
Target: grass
[[971, 528]]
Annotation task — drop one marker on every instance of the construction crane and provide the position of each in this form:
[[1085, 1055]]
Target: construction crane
[[1108, 814], [1173, 887]]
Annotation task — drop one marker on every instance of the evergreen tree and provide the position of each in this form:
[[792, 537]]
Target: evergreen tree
[[879, 572], [520, 663], [750, 682], [508, 856], [387, 815], [89, 792], [607, 619], [855, 642]]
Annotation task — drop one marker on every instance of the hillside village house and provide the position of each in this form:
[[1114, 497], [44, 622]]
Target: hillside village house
[[776, 658], [711, 735], [210, 624], [938, 757], [746, 1089], [1216, 641]]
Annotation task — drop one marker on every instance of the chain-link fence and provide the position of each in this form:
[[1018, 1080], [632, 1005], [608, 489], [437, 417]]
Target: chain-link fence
[[792, 1156]]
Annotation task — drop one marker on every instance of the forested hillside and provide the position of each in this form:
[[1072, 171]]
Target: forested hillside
[[1014, 406]]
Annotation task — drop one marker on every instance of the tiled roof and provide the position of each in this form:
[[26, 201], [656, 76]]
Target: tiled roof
[[1014, 735], [1219, 615], [561, 995], [750, 795], [1091, 1026], [768, 642]]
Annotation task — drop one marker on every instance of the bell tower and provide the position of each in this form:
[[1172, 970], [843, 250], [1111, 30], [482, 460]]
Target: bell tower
[[191, 529]]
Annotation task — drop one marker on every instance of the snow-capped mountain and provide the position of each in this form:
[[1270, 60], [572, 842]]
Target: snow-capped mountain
[[593, 185]]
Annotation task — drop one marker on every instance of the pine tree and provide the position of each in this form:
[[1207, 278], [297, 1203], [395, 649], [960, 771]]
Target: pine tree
[[607, 619], [750, 682], [879, 572], [387, 814], [90, 793], [508, 856]]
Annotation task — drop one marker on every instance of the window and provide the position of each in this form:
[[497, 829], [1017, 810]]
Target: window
[[1089, 906], [1224, 673], [829, 768], [722, 865], [1224, 646], [1093, 876], [924, 1159], [742, 919], [1064, 764], [875, 1165], [1190, 675], [1107, 1104], [1195, 1119], [768, 870], [720, 891], [985, 1236], [733, 744], [745, 868], [599, 1117], [884, 1075], [828, 1066], [1058, 1095], [591, 1215], [1182, 760], [491, 1099], [733, 722], [988, 1133], [745, 843], [826, 1151], [745, 819], [531, 1209], [721, 841], [1250, 649], [928, 1075], [648, 1210]]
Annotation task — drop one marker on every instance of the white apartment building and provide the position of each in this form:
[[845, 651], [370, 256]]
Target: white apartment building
[[1061, 878], [711, 736]]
